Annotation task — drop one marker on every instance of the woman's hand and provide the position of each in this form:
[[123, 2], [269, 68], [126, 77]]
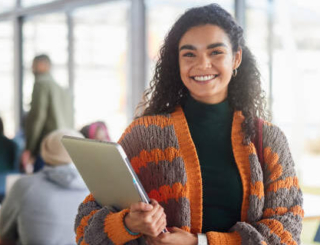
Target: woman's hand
[[175, 236], [147, 219]]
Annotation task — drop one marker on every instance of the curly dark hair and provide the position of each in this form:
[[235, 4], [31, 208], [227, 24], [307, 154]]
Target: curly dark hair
[[167, 90]]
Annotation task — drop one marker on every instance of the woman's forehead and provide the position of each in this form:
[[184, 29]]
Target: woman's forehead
[[205, 35]]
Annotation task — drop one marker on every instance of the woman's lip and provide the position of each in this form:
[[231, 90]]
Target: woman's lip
[[203, 82], [204, 75]]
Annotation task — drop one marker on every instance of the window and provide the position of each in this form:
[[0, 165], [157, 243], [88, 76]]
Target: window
[[101, 59], [257, 37], [296, 83], [28, 3], [7, 77], [7, 5]]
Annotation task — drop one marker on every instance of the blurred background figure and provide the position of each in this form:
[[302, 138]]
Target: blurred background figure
[[317, 237], [51, 109], [9, 160], [41, 208], [20, 140], [96, 130]]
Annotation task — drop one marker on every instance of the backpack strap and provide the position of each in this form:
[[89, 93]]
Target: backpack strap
[[258, 140]]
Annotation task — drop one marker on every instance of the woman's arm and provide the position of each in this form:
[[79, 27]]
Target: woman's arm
[[101, 225], [96, 225]]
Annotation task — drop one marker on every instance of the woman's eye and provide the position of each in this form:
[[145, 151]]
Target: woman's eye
[[188, 55], [216, 52]]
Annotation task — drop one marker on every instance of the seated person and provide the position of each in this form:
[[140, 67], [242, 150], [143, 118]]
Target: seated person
[[41, 208], [9, 158], [96, 130]]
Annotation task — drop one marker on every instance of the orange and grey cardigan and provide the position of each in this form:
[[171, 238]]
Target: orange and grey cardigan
[[164, 157]]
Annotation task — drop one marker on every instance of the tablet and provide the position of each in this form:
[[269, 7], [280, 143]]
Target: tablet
[[106, 170]]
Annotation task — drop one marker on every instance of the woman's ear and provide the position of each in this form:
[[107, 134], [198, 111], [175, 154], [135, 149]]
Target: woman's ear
[[237, 58]]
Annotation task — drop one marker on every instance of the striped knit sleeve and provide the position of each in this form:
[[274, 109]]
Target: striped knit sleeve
[[100, 225], [277, 208]]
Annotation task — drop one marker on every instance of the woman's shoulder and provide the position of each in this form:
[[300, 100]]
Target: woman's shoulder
[[143, 122], [148, 133], [273, 135], [153, 119]]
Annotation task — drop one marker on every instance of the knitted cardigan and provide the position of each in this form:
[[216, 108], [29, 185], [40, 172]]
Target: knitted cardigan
[[164, 157]]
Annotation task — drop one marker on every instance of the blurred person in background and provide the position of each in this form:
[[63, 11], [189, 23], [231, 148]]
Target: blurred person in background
[[193, 149], [96, 130], [40, 209], [20, 139], [9, 158], [51, 109]]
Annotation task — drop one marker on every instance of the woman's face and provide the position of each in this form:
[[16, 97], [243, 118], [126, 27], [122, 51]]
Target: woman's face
[[206, 63]]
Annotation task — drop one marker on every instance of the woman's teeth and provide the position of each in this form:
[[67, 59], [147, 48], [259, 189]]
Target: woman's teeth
[[204, 78]]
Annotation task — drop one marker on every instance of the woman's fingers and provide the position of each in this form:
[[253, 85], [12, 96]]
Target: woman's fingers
[[161, 219], [158, 225], [155, 209], [148, 219], [141, 207], [162, 224], [158, 214]]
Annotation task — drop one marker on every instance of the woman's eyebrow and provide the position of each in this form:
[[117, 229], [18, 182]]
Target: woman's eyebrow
[[210, 46], [187, 46], [214, 45]]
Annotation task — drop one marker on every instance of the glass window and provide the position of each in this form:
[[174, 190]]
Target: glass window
[[158, 26], [296, 83], [7, 5], [257, 37], [45, 34], [28, 3], [101, 60], [7, 77]]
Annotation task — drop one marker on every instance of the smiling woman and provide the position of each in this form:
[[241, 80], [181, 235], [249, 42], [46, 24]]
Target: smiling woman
[[193, 149]]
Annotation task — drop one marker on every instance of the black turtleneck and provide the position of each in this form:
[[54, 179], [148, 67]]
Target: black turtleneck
[[210, 128]]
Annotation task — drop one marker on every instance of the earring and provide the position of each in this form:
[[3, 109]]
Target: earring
[[234, 72]]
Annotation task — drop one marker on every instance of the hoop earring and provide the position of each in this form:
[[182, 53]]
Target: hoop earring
[[234, 72]]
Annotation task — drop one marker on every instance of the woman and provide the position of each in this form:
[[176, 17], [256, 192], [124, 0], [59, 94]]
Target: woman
[[193, 153]]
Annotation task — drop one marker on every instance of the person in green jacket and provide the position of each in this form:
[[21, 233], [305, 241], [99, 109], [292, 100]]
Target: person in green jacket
[[51, 109]]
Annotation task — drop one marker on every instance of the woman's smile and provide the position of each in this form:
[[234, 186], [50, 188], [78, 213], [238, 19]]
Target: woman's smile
[[203, 78]]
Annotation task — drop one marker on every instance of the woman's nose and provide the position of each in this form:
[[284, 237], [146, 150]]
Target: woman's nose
[[204, 62]]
